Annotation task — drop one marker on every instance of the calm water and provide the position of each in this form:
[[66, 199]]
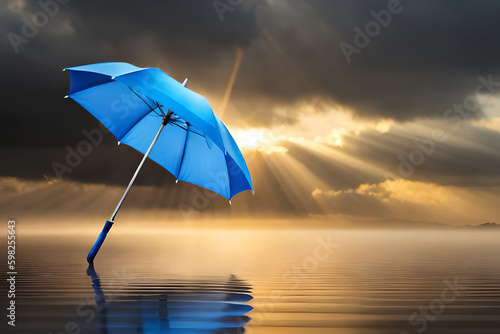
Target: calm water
[[325, 281]]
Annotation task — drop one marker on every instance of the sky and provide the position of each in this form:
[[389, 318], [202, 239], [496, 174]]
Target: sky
[[373, 112]]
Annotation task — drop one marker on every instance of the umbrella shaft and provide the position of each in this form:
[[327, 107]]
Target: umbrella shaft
[[136, 173]]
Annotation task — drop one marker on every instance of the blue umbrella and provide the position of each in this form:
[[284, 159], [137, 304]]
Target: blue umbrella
[[149, 111]]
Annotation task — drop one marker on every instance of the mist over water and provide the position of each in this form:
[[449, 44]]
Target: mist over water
[[295, 281]]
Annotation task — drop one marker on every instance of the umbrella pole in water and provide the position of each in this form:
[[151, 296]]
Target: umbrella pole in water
[[109, 223]]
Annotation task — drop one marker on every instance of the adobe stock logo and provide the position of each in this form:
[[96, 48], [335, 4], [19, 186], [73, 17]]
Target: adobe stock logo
[[372, 29], [221, 7], [30, 28]]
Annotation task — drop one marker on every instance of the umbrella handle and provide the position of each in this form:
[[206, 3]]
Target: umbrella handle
[[99, 241]]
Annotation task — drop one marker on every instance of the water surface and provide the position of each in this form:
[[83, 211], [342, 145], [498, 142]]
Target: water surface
[[307, 281]]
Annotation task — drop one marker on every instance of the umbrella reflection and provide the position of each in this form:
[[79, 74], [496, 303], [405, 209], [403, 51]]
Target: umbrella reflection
[[174, 307]]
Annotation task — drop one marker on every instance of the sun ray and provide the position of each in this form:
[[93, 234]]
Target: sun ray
[[227, 95]]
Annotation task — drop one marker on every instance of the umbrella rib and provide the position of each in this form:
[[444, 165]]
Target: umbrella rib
[[152, 109], [228, 180], [183, 153], [187, 129], [150, 99]]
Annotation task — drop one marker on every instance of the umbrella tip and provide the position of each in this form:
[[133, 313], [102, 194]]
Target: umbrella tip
[[112, 78], [176, 181], [64, 70], [253, 192], [185, 82], [66, 96], [119, 143], [229, 202]]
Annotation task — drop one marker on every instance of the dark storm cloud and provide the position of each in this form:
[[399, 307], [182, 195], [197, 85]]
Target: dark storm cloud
[[426, 59], [185, 34]]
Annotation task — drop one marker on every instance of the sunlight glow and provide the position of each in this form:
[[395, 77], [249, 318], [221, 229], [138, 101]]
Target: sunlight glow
[[261, 140], [315, 122], [400, 190]]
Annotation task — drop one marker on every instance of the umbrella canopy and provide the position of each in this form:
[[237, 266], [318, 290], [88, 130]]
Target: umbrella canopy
[[195, 146]]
